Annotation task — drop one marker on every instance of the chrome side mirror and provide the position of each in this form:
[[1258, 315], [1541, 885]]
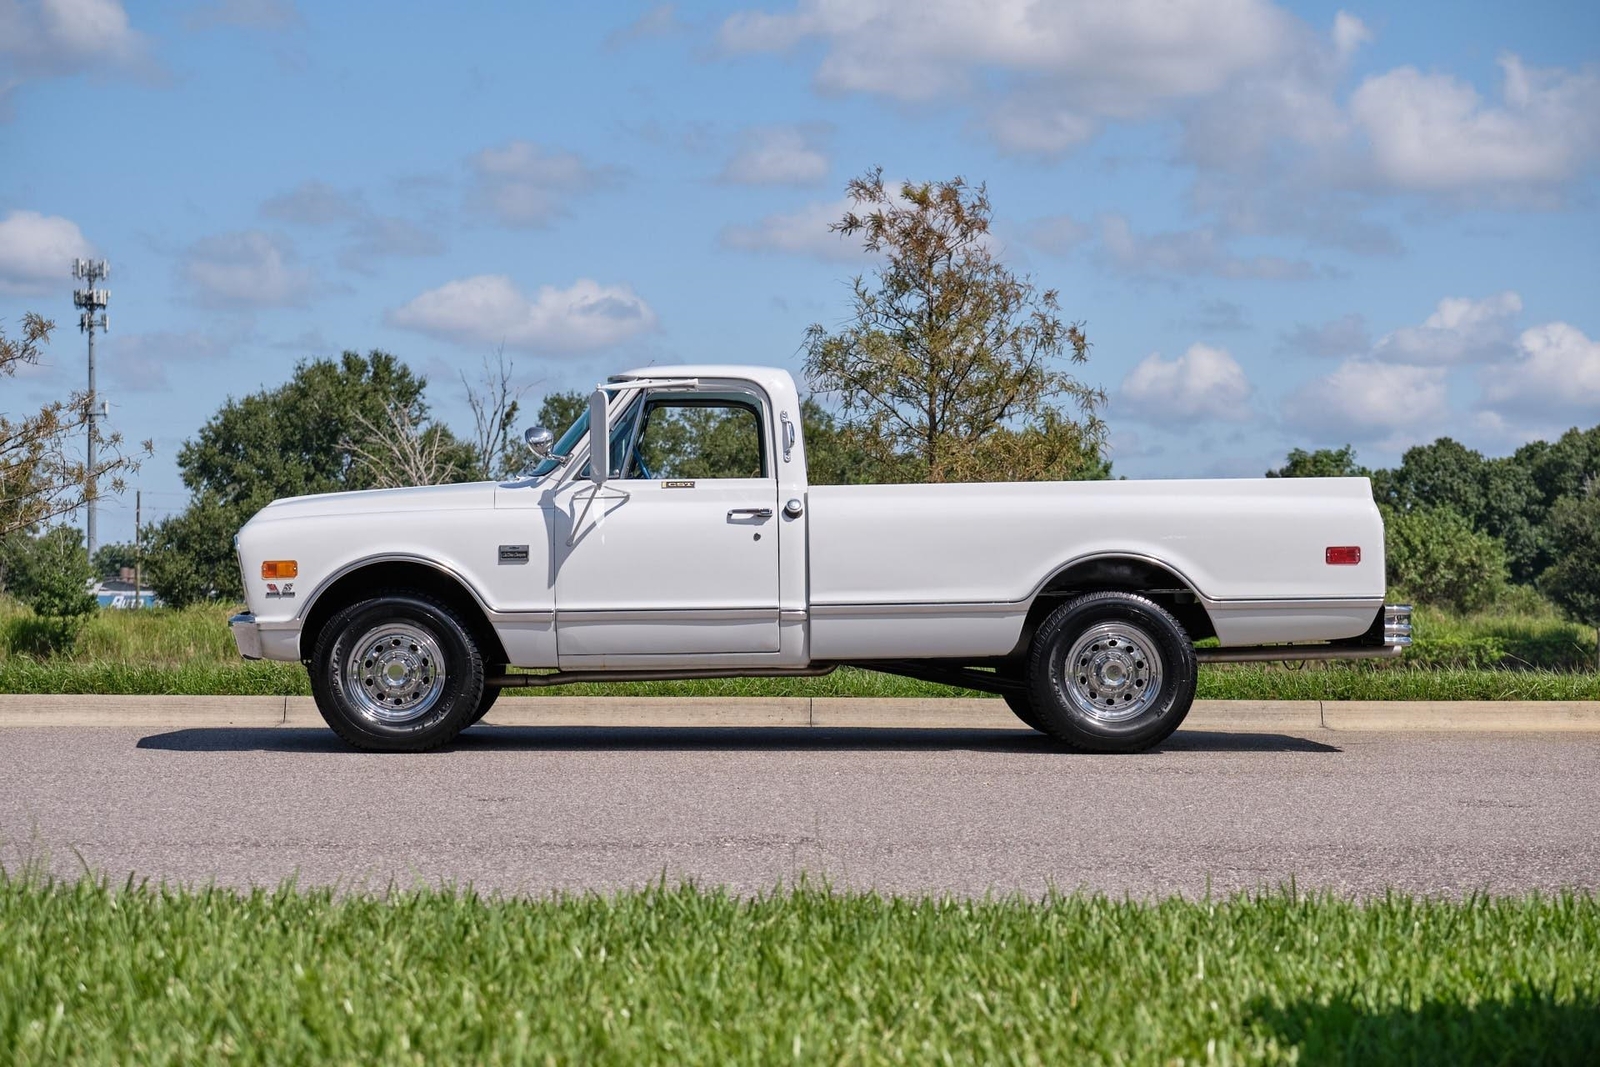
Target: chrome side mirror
[[540, 441]]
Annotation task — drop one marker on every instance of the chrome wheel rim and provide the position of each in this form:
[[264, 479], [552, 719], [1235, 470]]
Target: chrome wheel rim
[[1113, 672], [395, 673]]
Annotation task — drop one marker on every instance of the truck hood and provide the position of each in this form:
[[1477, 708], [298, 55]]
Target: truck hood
[[461, 497]]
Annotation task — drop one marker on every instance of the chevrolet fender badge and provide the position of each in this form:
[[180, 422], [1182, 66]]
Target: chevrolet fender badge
[[678, 485], [285, 593], [513, 553]]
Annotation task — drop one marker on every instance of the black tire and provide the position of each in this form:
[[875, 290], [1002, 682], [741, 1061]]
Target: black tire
[[405, 703], [491, 693], [1135, 673], [1021, 704]]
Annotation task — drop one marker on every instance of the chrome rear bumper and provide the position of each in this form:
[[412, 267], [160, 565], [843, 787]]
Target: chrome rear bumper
[[1396, 625], [246, 634]]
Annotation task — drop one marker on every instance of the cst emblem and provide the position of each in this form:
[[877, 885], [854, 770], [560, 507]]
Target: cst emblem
[[285, 593]]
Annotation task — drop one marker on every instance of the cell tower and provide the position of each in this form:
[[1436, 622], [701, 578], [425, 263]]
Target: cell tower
[[91, 302]]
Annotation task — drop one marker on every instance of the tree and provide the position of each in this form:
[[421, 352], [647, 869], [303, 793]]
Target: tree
[[1573, 581], [110, 559], [40, 476], [398, 452], [495, 403], [1445, 473], [1323, 463], [950, 368], [1436, 557], [317, 433], [298, 438], [557, 411], [189, 557]]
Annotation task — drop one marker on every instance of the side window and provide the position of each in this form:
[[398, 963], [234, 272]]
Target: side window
[[700, 437]]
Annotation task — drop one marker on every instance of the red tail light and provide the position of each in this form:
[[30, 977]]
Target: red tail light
[[1343, 554]]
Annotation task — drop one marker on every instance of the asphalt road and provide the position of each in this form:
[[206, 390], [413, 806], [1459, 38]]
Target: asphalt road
[[530, 809]]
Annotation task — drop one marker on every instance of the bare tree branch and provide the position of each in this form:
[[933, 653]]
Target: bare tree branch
[[495, 404], [41, 474], [400, 452]]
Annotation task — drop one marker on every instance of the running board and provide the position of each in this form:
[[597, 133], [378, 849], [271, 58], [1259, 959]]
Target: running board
[[1293, 653], [541, 681]]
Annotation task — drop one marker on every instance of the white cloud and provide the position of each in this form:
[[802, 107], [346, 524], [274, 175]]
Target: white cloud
[[489, 308], [659, 21], [1339, 338], [803, 232], [1349, 34], [139, 362], [1460, 330], [314, 203], [779, 155], [58, 38], [1433, 132], [525, 184], [1109, 57], [378, 236], [367, 235], [246, 269], [1027, 126], [1187, 252], [1203, 383], [1047, 74], [1057, 234], [36, 252], [1554, 377], [1394, 404]]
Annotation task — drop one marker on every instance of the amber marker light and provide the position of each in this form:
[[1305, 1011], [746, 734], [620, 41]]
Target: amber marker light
[[1343, 554], [279, 568]]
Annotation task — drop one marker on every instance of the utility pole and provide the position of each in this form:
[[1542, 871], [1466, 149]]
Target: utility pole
[[91, 301], [138, 551]]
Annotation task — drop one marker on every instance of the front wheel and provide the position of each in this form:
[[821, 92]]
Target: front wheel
[[399, 672], [1111, 672]]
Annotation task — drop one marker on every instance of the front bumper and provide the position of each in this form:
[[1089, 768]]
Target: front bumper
[[247, 635]]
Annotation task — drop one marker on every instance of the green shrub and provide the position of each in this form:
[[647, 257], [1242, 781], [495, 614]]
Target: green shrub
[[1436, 557], [50, 574], [1574, 581]]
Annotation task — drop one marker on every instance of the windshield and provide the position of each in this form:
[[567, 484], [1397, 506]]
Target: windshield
[[563, 448], [621, 438]]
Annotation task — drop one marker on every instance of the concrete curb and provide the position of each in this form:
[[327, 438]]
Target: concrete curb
[[1283, 716]]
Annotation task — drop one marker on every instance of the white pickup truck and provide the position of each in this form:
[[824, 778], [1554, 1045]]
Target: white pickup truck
[[699, 550]]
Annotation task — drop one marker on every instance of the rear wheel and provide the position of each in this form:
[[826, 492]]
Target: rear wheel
[[398, 672], [1111, 672], [1022, 705]]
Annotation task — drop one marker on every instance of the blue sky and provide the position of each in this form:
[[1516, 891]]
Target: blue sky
[[1284, 224]]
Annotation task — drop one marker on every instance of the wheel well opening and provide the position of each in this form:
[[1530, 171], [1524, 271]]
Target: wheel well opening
[[401, 574], [1125, 574]]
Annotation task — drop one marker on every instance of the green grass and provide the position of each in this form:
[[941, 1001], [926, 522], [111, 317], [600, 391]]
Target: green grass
[[684, 976], [1527, 654]]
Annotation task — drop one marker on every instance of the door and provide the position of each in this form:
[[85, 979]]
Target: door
[[678, 553]]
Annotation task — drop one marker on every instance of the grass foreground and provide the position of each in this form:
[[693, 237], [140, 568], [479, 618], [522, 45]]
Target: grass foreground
[[91, 973]]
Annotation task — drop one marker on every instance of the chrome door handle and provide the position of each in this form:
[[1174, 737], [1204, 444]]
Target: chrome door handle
[[749, 513]]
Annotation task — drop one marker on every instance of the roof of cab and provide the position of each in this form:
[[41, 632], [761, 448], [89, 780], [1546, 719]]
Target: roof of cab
[[769, 377]]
